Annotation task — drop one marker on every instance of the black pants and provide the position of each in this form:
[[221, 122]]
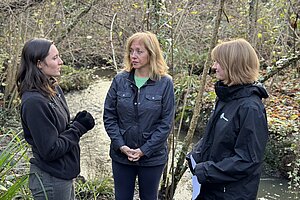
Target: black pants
[[125, 176]]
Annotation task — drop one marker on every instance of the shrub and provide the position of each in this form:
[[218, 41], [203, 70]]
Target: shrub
[[75, 79], [12, 179]]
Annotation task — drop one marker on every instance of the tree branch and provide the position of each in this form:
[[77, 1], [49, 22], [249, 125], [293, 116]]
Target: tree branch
[[279, 66], [74, 23], [18, 5], [111, 42]]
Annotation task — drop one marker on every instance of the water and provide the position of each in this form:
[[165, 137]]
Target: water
[[269, 189], [272, 188]]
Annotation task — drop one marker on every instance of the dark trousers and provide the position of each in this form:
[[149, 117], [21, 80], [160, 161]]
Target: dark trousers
[[125, 176]]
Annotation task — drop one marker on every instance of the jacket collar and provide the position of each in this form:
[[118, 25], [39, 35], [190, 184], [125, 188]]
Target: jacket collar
[[227, 93], [131, 77]]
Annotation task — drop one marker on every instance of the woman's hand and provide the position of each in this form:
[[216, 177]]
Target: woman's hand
[[137, 154], [132, 154]]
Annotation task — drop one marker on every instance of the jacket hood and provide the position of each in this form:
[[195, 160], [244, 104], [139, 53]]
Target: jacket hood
[[227, 93]]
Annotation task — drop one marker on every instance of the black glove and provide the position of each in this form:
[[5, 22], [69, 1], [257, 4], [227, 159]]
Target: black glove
[[85, 119]]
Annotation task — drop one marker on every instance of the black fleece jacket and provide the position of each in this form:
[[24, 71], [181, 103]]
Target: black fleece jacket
[[47, 128]]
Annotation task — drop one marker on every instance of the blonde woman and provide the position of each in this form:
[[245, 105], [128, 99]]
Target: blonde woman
[[230, 154], [138, 116]]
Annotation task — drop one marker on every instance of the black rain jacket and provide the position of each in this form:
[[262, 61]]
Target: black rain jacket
[[231, 152], [139, 118]]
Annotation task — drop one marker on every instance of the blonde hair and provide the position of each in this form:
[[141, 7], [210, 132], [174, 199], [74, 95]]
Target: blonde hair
[[238, 60], [158, 66]]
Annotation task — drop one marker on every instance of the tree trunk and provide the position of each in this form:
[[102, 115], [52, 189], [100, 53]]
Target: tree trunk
[[153, 12], [280, 65], [180, 168], [253, 5], [12, 66]]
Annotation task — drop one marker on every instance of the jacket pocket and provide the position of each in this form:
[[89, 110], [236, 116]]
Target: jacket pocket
[[123, 101], [153, 101], [153, 97], [123, 95]]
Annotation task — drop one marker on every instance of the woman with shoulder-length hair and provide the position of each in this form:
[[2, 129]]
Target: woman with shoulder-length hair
[[138, 116], [157, 64], [46, 123], [230, 154]]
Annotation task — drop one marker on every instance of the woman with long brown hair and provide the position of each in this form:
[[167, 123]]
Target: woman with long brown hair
[[46, 123]]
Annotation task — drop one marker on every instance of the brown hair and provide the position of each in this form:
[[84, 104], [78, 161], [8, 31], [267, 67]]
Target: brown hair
[[158, 66], [29, 76], [239, 61]]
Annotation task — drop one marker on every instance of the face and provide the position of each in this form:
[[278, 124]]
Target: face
[[220, 74], [52, 63], [139, 56]]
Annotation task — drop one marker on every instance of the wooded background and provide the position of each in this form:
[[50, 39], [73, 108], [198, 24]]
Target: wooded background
[[91, 33]]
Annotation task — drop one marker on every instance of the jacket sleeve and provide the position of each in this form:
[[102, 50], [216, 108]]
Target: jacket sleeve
[[110, 117], [164, 127], [248, 151], [196, 153], [39, 119]]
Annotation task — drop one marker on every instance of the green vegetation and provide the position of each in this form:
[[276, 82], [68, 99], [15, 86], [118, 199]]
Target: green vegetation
[[94, 189], [92, 34], [13, 178], [73, 79]]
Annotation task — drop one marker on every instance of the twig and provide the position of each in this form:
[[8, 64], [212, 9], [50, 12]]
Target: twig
[[74, 23], [111, 42], [280, 65], [19, 5]]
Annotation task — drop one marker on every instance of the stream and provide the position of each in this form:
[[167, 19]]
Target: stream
[[95, 160]]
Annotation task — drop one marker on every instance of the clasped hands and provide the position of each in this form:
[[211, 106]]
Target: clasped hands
[[132, 154]]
